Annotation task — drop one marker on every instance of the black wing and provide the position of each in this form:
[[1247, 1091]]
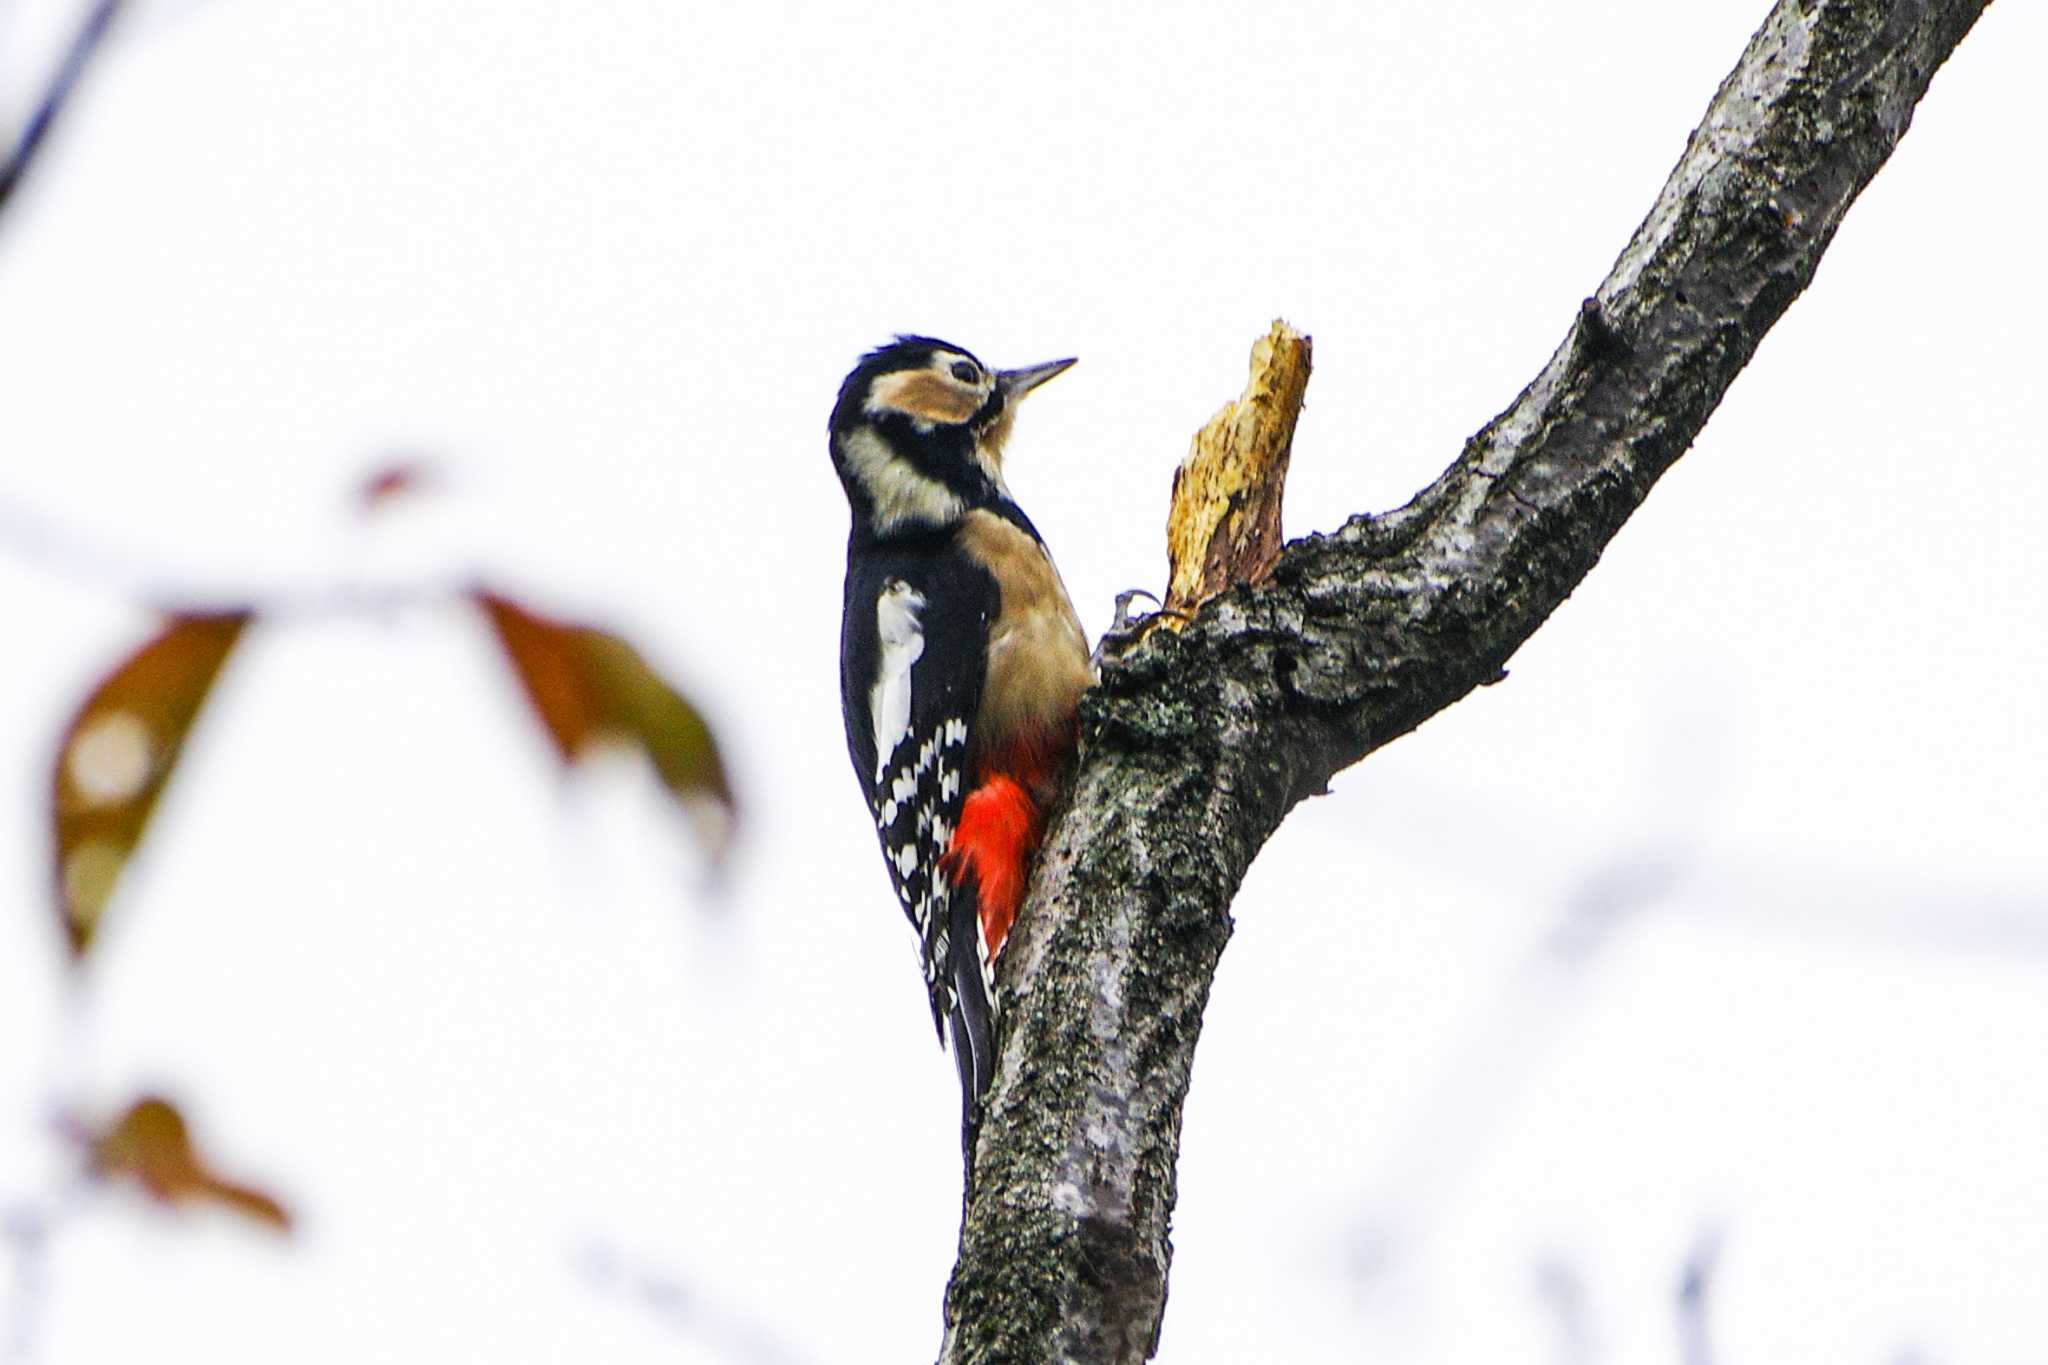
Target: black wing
[[912, 661]]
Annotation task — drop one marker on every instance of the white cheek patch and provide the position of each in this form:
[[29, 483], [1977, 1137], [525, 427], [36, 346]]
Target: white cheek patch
[[899, 491], [902, 637]]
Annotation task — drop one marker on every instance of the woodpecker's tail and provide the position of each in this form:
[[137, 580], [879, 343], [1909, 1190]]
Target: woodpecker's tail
[[974, 1007], [986, 863]]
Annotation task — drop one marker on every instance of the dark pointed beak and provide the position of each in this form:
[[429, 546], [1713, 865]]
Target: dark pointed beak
[[1016, 383]]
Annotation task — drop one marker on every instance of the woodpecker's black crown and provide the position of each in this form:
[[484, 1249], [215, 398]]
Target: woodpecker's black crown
[[918, 434], [959, 377]]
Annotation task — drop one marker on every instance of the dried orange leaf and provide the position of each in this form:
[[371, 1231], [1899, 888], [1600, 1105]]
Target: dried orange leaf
[[546, 656], [587, 685], [116, 755], [151, 1145]]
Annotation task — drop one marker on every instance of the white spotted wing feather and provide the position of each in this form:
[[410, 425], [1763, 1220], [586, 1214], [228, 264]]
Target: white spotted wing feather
[[920, 731]]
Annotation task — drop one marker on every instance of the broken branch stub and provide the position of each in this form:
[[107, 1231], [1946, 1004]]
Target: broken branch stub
[[1224, 525]]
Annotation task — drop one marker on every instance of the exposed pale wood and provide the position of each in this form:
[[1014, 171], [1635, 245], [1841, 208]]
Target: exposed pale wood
[[1223, 527]]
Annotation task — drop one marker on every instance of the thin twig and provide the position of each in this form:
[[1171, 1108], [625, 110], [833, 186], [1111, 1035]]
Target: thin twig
[[90, 34], [37, 541]]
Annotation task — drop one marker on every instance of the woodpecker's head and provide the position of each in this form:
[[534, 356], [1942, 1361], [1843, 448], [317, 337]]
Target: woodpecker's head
[[919, 429]]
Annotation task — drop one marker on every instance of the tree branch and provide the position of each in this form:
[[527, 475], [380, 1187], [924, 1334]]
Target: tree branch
[[1197, 743]]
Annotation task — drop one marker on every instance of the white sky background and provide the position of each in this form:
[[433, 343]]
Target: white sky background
[[1728, 911]]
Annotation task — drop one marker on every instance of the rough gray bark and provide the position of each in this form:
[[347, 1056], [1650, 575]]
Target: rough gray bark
[[1196, 744]]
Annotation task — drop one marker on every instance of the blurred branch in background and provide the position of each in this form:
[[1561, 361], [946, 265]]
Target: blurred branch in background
[[25, 1229], [38, 541], [1695, 1343], [1659, 869], [670, 1298], [1562, 1289], [1507, 1046], [1777, 890], [91, 32], [41, 543]]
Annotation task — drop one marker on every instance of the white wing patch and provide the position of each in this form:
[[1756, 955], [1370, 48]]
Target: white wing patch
[[896, 619], [919, 775]]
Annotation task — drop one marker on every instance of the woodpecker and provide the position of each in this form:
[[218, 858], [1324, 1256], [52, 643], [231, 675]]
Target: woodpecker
[[961, 663]]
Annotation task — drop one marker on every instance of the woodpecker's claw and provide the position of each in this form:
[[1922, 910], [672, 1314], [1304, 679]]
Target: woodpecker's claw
[[1124, 599], [1126, 630]]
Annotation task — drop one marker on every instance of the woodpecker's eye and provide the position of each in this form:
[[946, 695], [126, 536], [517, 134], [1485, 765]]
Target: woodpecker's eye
[[966, 373]]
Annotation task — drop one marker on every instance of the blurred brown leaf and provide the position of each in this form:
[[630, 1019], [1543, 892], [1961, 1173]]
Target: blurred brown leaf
[[151, 1145], [588, 685], [116, 755], [395, 480]]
